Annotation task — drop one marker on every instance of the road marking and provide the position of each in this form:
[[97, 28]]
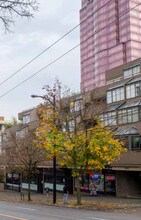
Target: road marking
[[93, 218], [20, 207], [14, 217]]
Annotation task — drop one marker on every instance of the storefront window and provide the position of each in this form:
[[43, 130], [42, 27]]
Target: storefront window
[[110, 183], [61, 179], [84, 182], [98, 180], [12, 181], [33, 179], [104, 182]]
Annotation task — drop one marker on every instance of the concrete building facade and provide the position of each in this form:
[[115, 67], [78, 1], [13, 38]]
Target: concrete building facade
[[121, 111], [123, 97]]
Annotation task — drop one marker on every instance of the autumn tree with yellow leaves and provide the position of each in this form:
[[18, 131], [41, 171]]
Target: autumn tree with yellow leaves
[[22, 155], [83, 146]]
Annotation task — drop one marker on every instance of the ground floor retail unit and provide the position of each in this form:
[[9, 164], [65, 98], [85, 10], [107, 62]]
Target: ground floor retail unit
[[119, 182]]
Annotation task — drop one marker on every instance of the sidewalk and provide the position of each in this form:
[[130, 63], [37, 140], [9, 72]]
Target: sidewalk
[[99, 203]]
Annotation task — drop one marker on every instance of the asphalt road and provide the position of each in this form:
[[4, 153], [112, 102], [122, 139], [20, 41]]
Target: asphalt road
[[19, 211]]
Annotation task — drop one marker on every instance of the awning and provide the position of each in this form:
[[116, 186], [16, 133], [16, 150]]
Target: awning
[[117, 85], [114, 107], [130, 105], [128, 168], [134, 80], [126, 131]]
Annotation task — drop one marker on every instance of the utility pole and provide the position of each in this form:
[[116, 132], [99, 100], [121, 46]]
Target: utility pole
[[53, 104], [54, 158]]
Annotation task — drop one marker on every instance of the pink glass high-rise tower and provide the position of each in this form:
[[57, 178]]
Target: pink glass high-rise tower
[[110, 35]]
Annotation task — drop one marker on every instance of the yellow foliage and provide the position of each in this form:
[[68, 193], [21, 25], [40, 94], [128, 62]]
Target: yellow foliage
[[77, 150]]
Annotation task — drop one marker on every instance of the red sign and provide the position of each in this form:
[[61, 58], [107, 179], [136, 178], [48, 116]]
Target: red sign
[[110, 177]]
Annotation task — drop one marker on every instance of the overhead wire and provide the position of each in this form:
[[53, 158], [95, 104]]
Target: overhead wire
[[67, 52], [54, 61], [50, 46]]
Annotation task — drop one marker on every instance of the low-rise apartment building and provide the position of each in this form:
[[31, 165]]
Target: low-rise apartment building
[[124, 116], [43, 177], [118, 104]]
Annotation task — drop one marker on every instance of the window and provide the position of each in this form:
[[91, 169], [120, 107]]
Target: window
[[109, 97], [115, 95], [76, 105], [19, 133], [126, 116], [135, 143], [109, 118], [26, 119], [133, 90], [4, 137], [64, 127], [71, 125], [131, 71]]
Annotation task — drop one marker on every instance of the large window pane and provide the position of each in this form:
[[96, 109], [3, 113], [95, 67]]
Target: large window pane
[[119, 118], [138, 88], [131, 71], [132, 87], [109, 97], [112, 118], [26, 119], [135, 115], [118, 94], [136, 69], [128, 92], [122, 94], [128, 116], [136, 143], [127, 73], [109, 119], [133, 90], [124, 116], [71, 125], [115, 95], [78, 105]]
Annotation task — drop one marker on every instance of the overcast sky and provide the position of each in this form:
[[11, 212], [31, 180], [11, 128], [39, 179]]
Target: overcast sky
[[31, 37]]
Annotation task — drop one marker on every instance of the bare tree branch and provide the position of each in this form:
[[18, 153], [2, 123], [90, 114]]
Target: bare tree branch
[[21, 8]]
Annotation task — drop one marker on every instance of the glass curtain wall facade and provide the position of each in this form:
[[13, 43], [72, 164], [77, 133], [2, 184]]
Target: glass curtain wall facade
[[110, 36]]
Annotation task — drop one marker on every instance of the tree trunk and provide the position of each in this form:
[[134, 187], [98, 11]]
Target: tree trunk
[[78, 191], [29, 193]]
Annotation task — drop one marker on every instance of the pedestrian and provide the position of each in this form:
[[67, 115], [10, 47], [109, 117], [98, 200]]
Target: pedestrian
[[65, 194], [47, 193], [93, 190]]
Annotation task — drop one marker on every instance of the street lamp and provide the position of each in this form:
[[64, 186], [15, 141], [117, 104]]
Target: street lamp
[[53, 103]]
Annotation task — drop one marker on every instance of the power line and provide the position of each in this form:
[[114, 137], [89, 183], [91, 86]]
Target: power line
[[39, 71], [53, 44], [66, 53]]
